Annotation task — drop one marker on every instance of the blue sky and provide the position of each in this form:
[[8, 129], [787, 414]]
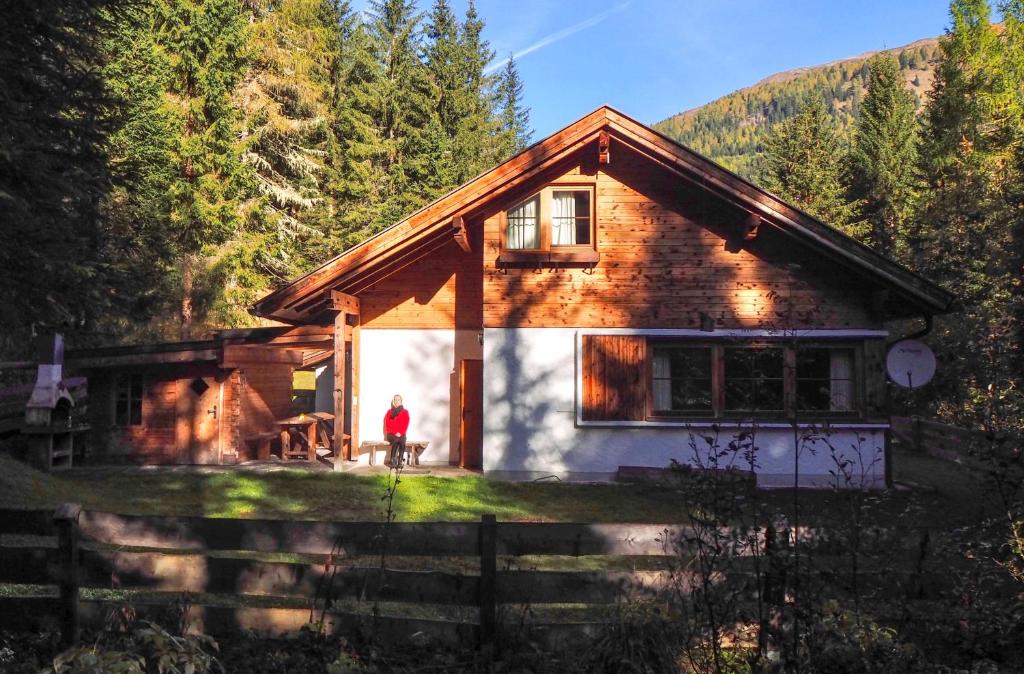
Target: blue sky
[[653, 58]]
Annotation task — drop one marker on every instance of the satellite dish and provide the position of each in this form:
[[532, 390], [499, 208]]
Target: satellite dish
[[910, 363]]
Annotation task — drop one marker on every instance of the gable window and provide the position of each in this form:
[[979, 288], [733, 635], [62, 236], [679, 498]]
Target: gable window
[[557, 223], [570, 217], [523, 232], [128, 400]]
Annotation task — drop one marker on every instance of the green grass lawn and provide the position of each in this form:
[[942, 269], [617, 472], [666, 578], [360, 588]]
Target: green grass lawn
[[948, 496], [320, 495]]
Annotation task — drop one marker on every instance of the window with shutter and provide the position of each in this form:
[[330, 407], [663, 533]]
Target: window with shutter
[[613, 377]]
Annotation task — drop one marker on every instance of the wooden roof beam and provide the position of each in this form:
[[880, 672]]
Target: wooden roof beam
[[460, 233], [344, 302]]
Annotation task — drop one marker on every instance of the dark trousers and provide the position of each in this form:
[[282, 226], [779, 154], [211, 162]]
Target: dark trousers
[[397, 449]]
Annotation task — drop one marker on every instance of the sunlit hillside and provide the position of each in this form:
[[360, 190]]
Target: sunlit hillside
[[730, 129]]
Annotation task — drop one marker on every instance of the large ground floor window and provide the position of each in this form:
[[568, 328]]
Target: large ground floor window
[[634, 377]]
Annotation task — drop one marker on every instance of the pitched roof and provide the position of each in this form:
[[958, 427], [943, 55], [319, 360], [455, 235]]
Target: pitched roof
[[431, 226]]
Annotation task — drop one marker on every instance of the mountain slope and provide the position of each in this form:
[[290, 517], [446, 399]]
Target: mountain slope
[[730, 129]]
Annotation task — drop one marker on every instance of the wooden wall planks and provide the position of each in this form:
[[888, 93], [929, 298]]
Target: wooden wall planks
[[664, 261], [444, 289]]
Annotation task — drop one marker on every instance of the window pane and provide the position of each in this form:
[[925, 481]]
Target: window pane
[[824, 380], [681, 379], [570, 217], [754, 379], [523, 232], [121, 412], [136, 412], [136, 386]]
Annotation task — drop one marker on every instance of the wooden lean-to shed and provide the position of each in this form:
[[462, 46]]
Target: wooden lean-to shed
[[203, 402]]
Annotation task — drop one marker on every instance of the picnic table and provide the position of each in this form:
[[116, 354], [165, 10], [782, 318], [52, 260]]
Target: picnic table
[[413, 447], [309, 428]]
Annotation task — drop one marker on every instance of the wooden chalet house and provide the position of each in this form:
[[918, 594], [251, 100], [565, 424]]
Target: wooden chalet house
[[609, 298]]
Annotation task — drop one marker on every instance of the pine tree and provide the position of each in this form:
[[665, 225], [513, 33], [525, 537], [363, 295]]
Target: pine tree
[[287, 98], [884, 157], [203, 43], [968, 226], [387, 123], [514, 115], [803, 163], [55, 117]]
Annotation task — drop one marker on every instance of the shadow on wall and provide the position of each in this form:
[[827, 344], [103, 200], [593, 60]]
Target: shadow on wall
[[427, 360]]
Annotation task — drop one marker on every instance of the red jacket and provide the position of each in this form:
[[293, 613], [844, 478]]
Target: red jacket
[[397, 425]]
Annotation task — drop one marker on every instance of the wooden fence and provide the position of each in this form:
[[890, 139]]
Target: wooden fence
[[207, 558], [965, 446]]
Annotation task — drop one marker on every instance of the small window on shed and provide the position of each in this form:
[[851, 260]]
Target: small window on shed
[[128, 400]]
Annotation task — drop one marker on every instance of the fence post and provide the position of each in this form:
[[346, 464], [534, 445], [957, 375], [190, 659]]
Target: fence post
[[66, 520], [917, 433], [488, 577]]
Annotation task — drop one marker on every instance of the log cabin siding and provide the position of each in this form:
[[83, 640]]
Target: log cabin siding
[[265, 395], [253, 397], [663, 262], [442, 289]]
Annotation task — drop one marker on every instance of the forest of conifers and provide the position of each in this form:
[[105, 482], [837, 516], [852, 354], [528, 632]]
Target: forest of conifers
[[165, 162]]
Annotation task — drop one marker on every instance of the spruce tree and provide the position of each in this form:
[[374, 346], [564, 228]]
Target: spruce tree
[[204, 44], [884, 157], [387, 124], [514, 116], [456, 56], [803, 163], [287, 98], [56, 113]]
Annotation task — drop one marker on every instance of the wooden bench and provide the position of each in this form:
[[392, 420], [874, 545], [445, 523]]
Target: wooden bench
[[262, 442], [412, 447]]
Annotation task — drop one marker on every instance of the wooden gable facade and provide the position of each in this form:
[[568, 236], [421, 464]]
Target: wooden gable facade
[[679, 259]]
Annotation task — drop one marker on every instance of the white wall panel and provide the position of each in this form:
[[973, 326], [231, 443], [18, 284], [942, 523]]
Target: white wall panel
[[530, 427], [421, 366]]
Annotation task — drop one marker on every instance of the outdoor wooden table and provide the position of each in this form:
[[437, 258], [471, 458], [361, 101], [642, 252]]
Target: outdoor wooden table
[[306, 425]]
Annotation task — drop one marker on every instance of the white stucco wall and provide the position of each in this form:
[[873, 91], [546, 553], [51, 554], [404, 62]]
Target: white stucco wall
[[530, 427], [421, 366]]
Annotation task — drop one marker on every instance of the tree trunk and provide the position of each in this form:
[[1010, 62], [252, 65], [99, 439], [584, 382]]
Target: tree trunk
[[187, 280]]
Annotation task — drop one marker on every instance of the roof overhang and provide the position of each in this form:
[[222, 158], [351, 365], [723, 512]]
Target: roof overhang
[[305, 299]]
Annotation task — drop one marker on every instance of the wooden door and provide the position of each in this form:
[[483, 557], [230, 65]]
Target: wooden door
[[471, 403], [197, 420]]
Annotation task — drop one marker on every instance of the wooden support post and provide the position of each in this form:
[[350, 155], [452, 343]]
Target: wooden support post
[[488, 577], [340, 453], [66, 520]]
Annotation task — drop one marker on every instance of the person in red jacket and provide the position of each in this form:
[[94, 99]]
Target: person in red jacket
[[396, 424]]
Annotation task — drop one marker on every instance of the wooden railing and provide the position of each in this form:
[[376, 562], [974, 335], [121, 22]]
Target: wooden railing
[[163, 557], [968, 447], [458, 583]]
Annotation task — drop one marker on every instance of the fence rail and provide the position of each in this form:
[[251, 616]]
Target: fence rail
[[273, 576], [200, 556], [951, 443]]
